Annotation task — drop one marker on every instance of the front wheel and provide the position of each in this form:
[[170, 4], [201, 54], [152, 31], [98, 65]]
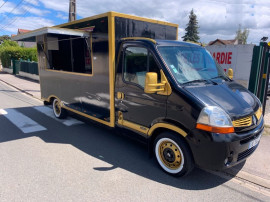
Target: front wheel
[[58, 111], [173, 154]]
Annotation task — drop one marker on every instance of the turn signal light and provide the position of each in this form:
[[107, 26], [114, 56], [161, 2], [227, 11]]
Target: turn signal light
[[214, 129], [258, 113]]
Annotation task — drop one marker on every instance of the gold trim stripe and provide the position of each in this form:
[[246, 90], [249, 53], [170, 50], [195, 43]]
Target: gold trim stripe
[[116, 14], [134, 126], [77, 112], [133, 17], [87, 116], [140, 38], [66, 72], [111, 29], [168, 126]]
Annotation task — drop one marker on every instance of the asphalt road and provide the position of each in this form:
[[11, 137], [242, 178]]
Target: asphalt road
[[44, 159]]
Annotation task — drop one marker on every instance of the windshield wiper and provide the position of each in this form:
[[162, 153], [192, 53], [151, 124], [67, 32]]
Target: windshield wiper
[[199, 80], [220, 76]]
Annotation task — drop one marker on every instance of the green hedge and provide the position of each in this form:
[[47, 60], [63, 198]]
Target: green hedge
[[16, 52]]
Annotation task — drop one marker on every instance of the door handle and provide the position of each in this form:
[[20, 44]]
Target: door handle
[[120, 95]]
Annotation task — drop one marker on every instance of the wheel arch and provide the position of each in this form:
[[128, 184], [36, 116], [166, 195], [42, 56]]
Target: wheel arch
[[159, 128], [51, 98]]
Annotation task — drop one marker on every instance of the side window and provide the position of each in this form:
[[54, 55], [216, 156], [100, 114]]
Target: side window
[[153, 66], [135, 66], [138, 61], [70, 54]]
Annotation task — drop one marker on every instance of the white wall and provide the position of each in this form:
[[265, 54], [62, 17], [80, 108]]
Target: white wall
[[237, 57]]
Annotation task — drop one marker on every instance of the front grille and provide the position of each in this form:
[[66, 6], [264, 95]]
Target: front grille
[[250, 138], [246, 153], [244, 122]]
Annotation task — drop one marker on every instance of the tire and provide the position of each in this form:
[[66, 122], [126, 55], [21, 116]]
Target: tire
[[46, 103], [58, 111], [173, 154]]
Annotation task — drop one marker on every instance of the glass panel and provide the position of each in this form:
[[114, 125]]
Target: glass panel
[[153, 66], [135, 65], [190, 63]]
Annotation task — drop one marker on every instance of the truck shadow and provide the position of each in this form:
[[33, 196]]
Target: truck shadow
[[123, 152], [115, 149]]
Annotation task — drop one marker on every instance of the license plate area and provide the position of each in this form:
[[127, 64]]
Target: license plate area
[[254, 142]]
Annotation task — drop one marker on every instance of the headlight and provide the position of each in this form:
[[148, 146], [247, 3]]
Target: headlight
[[215, 120]]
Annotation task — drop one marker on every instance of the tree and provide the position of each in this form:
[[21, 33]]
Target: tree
[[192, 28], [4, 38], [242, 35], [9, 43]]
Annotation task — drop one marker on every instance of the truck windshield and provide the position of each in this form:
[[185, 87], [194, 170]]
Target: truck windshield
[[189, 64]]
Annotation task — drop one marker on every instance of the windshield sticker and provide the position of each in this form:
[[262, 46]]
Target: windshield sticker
[[173, 68]]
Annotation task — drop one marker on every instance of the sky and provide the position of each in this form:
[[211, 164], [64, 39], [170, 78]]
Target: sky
[[216, 18]]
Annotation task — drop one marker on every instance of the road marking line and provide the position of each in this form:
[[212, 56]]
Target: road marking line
[[24, 123], [49, 112]]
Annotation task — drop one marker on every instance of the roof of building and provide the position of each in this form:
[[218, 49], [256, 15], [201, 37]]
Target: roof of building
[[21, 31], [224, 42]]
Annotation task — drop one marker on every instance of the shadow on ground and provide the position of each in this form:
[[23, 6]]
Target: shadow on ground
[[111, 147]]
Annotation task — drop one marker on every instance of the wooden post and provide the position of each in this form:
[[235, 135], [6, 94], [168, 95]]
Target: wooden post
[[72, 10]]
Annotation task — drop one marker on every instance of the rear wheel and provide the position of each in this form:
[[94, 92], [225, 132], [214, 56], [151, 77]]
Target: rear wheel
[[172, 154], [58, 111], [46, 103]]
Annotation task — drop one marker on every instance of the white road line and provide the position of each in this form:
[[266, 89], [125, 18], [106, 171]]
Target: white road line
[[24, 123], [49, 112]]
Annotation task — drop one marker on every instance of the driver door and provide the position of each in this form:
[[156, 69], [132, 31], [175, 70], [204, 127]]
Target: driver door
[[136, 107]]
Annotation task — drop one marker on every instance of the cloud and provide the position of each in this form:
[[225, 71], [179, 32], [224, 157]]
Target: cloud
[[62, 16], [33, 2], [30, 23], [35, 11], [59, 5], [6, 7], [217, 18]]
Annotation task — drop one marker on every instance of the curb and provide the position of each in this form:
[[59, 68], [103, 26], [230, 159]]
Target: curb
[[21, 90], [249, 177], [243, 176]]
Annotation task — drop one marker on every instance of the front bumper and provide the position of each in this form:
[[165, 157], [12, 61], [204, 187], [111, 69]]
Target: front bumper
[[220, 151]]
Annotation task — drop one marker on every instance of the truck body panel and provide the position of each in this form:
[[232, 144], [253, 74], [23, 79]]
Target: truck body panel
[[93, 94]]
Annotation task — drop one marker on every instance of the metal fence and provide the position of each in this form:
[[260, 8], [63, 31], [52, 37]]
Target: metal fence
[[29, 67], [25, 66]]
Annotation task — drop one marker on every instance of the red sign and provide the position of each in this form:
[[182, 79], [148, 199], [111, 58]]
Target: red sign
[[223, 57]]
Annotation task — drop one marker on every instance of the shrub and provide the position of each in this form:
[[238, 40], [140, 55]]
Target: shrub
[[10, 50], [9, 43]]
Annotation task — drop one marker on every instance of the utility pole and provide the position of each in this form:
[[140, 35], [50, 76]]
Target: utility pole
[[72, 10]]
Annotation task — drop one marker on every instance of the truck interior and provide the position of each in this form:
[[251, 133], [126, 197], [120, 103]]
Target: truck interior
[[69, 53], [65, 49]]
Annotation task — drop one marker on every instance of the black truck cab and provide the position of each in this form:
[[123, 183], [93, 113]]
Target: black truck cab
[[180, 84]]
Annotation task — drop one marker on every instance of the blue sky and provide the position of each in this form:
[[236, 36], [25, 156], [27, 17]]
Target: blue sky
[[217, 18]]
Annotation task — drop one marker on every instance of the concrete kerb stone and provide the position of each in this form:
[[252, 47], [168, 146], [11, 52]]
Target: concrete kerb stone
[[8, 83]]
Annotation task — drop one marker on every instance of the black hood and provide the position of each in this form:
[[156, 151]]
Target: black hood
[[236, 100]]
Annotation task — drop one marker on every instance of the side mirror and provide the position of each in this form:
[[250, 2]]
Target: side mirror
[[230, 73], [152, 85], [151, 82]]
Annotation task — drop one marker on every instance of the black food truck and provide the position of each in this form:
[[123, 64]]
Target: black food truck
[[131, 72]]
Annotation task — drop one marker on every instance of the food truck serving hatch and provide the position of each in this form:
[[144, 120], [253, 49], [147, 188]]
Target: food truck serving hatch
[[31, 36]]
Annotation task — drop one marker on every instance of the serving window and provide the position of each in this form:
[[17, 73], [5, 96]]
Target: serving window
[[69, 53]]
